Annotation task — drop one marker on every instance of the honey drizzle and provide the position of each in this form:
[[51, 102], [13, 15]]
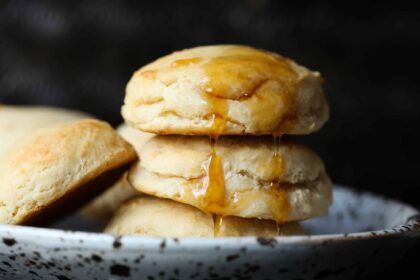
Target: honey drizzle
[[185, 62], [218, 222], [282, 206], [227, 78], [237, 71], [213, 197], [289, 117]]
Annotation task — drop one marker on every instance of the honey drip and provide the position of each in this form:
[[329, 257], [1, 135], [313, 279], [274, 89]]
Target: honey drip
[[212, 195], [219, 109], [235, 74], [280, 205], [289, 118], [218, 222], [239, 72]]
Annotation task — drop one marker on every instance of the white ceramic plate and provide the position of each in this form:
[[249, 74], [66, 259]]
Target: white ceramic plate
[[362, 234]]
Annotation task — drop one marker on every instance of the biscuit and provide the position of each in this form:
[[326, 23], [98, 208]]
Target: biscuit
[[17, 122], [237, 226], [103, 207], [255, 180], [151, 216], [59, 168], [225, 90]]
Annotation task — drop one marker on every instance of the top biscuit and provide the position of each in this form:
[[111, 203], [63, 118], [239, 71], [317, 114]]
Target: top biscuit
[[225, 90]]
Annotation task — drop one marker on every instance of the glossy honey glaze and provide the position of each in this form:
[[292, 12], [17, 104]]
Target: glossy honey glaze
[[280, 205], [185, 62], [234, 74], [237, 71], [212, 197]]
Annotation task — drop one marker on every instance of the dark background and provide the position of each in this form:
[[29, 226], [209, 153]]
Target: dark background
[[80, 54]]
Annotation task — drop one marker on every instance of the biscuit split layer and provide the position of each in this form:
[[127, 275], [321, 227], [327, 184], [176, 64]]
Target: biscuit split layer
[[259, 182]]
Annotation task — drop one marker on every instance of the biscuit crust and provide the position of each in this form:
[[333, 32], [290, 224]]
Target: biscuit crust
[[17, 122], [226, 90], [151, 216], [54, 162]]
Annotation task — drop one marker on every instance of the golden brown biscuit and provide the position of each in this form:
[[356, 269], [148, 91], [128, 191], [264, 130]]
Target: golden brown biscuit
[[226, 90], [151, 216], [58, 168], [17, 122], [254, 180], [103, 207]]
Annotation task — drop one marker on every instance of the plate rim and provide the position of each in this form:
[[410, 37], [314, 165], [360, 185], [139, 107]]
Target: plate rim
[[411, 229]]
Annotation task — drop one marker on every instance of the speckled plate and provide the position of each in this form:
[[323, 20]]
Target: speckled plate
[[362, 234]]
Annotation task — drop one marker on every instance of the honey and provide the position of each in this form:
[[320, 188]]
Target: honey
[[238, 71], [280, 206], [218, 223], [219, 117], [236, 74], [212, 195], [185, 62], [277, 160]]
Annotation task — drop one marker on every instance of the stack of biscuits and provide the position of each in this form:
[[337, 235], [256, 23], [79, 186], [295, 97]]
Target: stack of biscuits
[[215, 163], [207, 157]]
